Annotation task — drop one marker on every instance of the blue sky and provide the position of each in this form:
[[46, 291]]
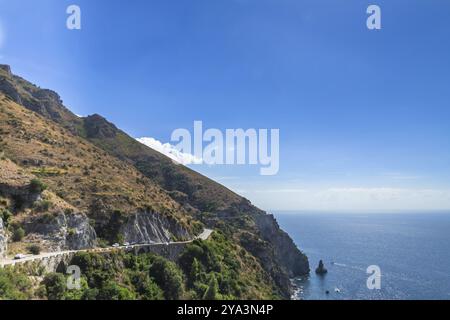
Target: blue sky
[[363, 115]]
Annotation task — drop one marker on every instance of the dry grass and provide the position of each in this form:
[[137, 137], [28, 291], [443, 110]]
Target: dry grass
[[73, 168]]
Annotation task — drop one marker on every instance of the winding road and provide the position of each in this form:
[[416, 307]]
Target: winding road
[[10, 262]]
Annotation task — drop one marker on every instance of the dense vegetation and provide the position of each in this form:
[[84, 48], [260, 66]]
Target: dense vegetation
[[213, 269], [14, 285]]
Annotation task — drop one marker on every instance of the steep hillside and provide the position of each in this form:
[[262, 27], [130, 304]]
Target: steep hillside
[[35, 215], [113, 193], [114, 179]]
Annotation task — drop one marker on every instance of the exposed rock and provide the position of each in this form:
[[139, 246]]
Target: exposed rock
[[321, 270], [63, 231], [3, 239], [139, 227], [98, 127], [278, 254], [6, 68], [9, 89], [265, 252], [43, 101], [46, 102], [286, 252], [152, 227], [20, 194]]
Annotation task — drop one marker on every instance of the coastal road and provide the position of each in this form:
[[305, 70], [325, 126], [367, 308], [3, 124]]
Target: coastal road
[[7, 262]]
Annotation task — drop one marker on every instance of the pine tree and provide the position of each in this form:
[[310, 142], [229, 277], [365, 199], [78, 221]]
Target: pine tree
[[196, 271], [213, 289]]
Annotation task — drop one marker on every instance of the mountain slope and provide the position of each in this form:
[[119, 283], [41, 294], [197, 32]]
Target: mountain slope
[[119, 173], [113, 193]]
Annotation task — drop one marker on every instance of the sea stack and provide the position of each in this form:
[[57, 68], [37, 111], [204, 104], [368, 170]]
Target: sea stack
[[321, 270]]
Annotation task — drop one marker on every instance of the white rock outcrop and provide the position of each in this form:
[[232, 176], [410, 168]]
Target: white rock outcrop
[[3, 239], [63, 231], [146, 227]]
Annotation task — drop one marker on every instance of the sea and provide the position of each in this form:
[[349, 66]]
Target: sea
[[410, 252]]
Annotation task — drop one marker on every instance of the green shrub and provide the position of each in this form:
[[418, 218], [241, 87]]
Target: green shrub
[[47, 218], [5, 215], [34, 249], [196, 274], [18, 234], [14, 285], [37, 186], [212, 293], [43, 206], [113, 291], [68, 211], [168, 276], [55, 286], [146, 287], [3, 202], [102, 243]]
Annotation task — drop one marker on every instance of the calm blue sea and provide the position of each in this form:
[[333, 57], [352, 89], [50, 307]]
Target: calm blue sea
[[412, 250]]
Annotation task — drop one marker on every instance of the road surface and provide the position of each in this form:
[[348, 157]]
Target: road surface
[[5, 262]]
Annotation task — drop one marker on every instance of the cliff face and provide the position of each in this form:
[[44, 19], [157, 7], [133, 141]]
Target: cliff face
[[43, 101], [260, 234], [264, 239], [151, 227], [286, 252], [62, 231], [3, 239]]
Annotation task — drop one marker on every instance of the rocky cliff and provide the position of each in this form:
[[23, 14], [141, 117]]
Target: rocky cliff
[[276, 251], [3, 239], [148, 227], [62, 231], [286, 252]]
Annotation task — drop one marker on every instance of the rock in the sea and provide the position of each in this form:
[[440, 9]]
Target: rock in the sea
[[3, 239], [321, 270]]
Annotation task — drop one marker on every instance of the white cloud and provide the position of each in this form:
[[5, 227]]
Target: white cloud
[[170, 151], [281, 191]]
